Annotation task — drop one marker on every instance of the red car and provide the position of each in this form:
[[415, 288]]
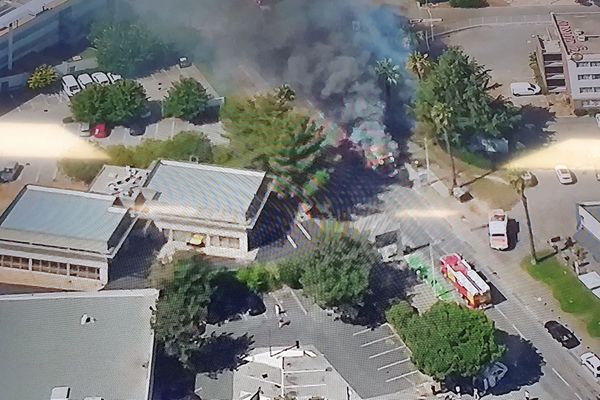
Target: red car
[[99, 131]]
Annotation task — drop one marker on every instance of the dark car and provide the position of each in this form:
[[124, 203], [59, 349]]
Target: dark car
[[184, 62], [562, 334], [10, 172], [255, 304], [136, 129]]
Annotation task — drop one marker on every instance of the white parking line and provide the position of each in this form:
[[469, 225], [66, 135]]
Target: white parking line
[[303, 230], [298, 301], [377, 341], [560, 377], [305, 386], [387, 352], [289, 238], [392, 364], [578, 396], [361, 332], [401, 376], [513, 325]]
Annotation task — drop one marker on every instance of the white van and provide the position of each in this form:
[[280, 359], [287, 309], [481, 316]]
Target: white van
[[70, 85], [524, 89], [84, 80]]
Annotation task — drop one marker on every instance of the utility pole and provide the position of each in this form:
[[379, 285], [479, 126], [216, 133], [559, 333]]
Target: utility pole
[[427, 161]]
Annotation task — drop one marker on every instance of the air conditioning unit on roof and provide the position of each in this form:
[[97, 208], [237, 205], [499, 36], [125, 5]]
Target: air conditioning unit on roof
[[60, 393]]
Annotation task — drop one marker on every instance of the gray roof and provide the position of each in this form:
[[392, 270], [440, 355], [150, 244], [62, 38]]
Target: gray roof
[[61, 218], [203, 191], [44, 345], [593, 208], [13, 10]]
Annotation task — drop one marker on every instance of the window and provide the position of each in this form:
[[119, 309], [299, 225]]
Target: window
[[584, 64], [590, 89], [82, 271], [225, 241], [590, 103], [588, 76]]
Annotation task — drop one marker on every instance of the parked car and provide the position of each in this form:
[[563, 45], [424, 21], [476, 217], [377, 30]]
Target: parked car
[[563, 174], [84, 129], [70, 85], [562, 334], [592, 362], [184, 62], [136, 129], [114, 77], [10, 172], [255, 304], [100, 78], [524, 89], [84, 80], [528, 178], [490, 377], [597, 116], [99, 130]]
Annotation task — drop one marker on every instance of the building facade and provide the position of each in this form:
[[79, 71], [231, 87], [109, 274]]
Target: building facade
[[569, 59], [63, 239], [29, 26]]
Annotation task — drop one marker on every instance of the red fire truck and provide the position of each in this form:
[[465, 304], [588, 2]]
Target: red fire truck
[[466, 280]]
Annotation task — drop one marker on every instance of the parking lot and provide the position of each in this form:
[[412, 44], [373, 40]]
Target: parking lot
[[374, 362]]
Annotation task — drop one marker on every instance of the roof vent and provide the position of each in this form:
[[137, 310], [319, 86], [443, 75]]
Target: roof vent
[[87, 319], [60, 393], [581, 38]]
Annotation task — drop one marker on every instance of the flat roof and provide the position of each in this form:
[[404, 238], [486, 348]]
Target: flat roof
[[192, 190], [593, 208], [114, 179], [61, 218], [570, 26], [44, 345], [13, 10]]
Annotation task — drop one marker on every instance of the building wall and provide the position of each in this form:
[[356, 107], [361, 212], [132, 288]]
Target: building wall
[[584, 82], [587, 221], [67, 23]]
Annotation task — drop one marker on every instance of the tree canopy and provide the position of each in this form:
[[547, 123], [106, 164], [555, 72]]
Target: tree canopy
[[336, 271], [114, 104], [267, 133], [448, 340], [126, 48], [42, 77], [186, 99], [461, 84]]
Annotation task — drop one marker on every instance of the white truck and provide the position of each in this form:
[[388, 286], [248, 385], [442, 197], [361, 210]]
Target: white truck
[[490, 377], [498, 229]]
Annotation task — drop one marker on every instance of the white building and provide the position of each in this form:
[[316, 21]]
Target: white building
[[588, 227], [63, 239], [77, 346]]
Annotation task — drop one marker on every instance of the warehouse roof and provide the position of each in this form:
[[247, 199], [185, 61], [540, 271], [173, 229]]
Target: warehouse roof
[[192, 190], [96, 344], [62, 218]]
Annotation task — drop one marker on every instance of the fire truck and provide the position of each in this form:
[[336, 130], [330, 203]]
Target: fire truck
[[466, 280]]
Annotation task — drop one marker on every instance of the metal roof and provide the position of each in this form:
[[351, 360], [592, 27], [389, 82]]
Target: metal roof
[[13, 10], [203, 191], [44, 344], [61, 218]]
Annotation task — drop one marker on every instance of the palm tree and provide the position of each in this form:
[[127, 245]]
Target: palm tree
[[518, 183], [441, 115], [418, 63], [389, 73]]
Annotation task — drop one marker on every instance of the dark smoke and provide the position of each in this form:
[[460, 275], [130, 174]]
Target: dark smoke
[[325, 49]]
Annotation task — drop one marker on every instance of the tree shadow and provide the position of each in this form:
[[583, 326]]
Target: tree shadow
[[171, 380], [231, 299], [532, 131], [512, 230], [222, 352]]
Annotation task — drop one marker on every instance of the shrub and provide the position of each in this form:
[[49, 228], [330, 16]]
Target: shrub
[[42, 77], [400, 314], [468, 3], [258, 278], [81, 170], [474, 159], [290, 272]]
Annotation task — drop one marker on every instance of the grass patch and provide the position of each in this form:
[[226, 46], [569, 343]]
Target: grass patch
[[89, 52], [476, 160], [571, 294], [495, 194]]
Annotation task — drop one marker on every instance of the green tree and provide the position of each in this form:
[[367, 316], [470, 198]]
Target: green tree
[[400, 314], [125, 101], [463, 85], [42, 77], [418, 64], [258, 278], [336, 271], [519, 185], [182, 309], [450, 340], [290, 272], [389, 73], [266, 133], [441, 115], [126, 48], [90, 105], [186, 99]]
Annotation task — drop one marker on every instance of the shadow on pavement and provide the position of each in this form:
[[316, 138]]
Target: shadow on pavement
[[231, 299], [222, 352]]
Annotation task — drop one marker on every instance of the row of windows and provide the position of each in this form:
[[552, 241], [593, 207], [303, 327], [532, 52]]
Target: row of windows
[[588, 64], [50, 267], [588, 76], [590, 103], [589, 89], [224, 241]]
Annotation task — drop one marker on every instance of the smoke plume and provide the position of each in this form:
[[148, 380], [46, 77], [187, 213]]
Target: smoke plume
[[325, 49]]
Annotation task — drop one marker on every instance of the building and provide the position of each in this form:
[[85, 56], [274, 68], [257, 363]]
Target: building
[[210, 208], [77, 346], [569, 58], [29, 26], [587, 234], [62, 239]]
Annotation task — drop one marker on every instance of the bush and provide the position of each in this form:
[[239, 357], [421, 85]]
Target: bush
[[290, 272], [258, 278], [468, 3], [400, 314], [42, 77], [81, 170], [474, 159]]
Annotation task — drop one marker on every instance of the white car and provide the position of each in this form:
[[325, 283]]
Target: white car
[[592, 362], [564, 175], [524, 89], [597, 116], [101, 78], [70, 85], [84, 80], [114, 77]]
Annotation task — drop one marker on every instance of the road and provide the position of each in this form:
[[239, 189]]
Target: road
[[426, 218]]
